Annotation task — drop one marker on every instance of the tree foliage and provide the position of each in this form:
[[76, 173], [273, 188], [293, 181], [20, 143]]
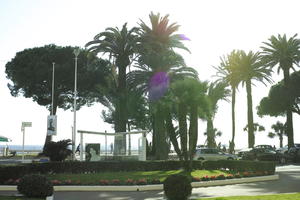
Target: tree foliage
[[277, 101], [279, 130], [217, 91], [285, 53], [30, 73]]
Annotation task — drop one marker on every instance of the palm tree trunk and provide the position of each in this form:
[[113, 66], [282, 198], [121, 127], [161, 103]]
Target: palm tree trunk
[[193, 133], [289, 114], [153, 149], [280, 140], [211, 143], [231, 145], [182, 112], [162, 147], [171, 133], [121, 111], [251, 137]]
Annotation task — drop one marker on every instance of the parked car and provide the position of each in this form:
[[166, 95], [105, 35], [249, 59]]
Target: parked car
[[212, 154], [261, 154], [293, 155], [265, 146], [241, 152], [286, 148], [282, 149]]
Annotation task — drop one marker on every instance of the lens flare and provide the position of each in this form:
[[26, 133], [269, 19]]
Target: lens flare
[[158, 86], [184, 37]]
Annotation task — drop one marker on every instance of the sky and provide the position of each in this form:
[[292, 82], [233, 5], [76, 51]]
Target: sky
[[214, 27]]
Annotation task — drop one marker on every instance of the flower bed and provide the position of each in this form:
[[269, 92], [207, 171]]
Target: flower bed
[[144, 181]]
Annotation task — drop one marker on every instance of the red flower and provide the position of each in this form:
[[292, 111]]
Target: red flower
[[196, 179], [141, 182], [104, 182], [115, 182], [130, 181], [68, 182], [56, 182], [229, 176]]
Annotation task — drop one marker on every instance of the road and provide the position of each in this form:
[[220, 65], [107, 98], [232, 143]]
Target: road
[[288, 182]]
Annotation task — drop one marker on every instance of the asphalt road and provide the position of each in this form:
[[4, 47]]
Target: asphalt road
[[288, 182]]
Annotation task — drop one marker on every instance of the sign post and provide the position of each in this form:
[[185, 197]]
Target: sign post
[[24, 124]]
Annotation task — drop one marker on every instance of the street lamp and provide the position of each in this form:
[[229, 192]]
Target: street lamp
[[76, 53]]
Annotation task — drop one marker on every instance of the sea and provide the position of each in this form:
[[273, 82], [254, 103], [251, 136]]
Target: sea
[[26, 147]]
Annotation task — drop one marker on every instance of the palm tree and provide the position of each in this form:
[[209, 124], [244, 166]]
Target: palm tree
[[279, 130], [161, 35], [161, 105], [216, 91], [157, 61], [189, 96], [284, 53], [251, 68], [256, 128], [120, 45], [215, 133], [227, 71]]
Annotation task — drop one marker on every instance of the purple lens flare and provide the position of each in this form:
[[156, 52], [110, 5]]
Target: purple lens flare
[[158, 86], [184, 37]]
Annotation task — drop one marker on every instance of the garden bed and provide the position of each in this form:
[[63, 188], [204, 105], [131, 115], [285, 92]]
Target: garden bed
[[142, 177]]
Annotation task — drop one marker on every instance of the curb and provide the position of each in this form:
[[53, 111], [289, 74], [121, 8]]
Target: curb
[[90, 188]]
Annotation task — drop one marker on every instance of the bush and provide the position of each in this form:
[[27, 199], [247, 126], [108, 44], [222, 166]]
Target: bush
[[177, 187], [58, 151], [35, 186]]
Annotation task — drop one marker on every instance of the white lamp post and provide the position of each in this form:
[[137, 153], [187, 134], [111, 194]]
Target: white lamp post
[[76, 53], [53, 74]]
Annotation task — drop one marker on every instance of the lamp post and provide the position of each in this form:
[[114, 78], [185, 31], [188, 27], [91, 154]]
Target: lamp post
[[76, 53], [53, 74]]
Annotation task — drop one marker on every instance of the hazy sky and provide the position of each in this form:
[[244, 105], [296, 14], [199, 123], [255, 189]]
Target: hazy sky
[[214, 27]]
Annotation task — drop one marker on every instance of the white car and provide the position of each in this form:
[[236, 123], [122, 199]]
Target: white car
[[212, 154]]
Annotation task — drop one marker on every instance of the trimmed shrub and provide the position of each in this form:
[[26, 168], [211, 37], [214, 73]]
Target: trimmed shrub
[[35, 185], [177, 187]]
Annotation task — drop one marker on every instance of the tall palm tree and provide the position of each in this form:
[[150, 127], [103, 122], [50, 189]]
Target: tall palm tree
[[161, 107], [120, 45], [216, 91], [284, 53], [251, 68], [227, 71], [189, 96], [279, 130], [158, 61]]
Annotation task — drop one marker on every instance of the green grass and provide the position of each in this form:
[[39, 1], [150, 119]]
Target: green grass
[[122, 176], [17, 198], [261, 197]]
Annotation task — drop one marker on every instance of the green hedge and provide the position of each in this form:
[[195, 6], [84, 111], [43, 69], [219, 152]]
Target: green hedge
[[240, 165], [18, 171]]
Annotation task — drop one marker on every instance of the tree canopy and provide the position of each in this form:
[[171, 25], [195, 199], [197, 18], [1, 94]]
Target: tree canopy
[[275, 104], [30, 73]]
